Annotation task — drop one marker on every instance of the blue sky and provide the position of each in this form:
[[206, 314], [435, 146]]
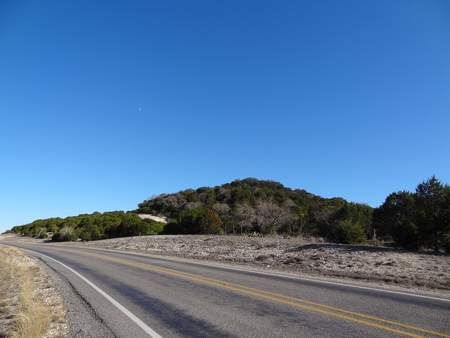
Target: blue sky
[[105, 103]]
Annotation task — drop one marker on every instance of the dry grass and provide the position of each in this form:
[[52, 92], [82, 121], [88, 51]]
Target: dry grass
[[29, 306]]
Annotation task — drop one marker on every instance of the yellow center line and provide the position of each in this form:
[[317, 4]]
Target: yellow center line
[[270, 295]]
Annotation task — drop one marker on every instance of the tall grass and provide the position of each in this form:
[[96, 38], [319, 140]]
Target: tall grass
[[23, 309]]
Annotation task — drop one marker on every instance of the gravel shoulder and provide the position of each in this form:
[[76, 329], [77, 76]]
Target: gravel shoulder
[[425, 271]]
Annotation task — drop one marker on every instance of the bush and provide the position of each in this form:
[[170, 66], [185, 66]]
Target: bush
[[210, 223], [43, 236], [350, 233], [154, 227], [86, 236], [56, 237], [71, 237], [59, 237], [173, 227]]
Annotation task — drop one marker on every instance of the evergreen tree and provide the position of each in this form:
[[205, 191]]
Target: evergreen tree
[[397, 206], [433, 212], [210, 223]]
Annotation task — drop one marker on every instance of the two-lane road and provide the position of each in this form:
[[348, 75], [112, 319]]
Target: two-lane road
[[136, 295]]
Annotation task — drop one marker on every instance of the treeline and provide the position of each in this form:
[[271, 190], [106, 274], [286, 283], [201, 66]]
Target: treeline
[[91, 226], [263, 207], [417, 220], [411, 220]]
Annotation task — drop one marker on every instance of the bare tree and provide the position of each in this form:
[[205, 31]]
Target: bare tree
[[174, 201], [203, 196], [192, 205], [326, 221], [265, 215], [152, 197], [244, 215], [269, 214], [221, 194], [221, 208]]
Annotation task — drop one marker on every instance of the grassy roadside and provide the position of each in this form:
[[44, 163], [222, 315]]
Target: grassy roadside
[[29, 305]]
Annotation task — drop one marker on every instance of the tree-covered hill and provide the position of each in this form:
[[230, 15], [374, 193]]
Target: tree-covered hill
[[412, 220], [240, 207], [266, 207]]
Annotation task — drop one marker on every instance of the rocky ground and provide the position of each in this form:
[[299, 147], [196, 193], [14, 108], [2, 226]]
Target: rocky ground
[[306, 256], [424, 270]]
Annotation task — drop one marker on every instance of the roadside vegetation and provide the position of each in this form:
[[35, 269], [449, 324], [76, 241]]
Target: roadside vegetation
[[91, 227], [418, 220], [29, 307]]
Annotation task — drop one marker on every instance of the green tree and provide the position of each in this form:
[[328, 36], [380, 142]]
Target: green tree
[[397, 206], [188, 221], [132, 225], [357, 213], [433, 212], [86, 236], [172, 228], [419, 219], [349, 232], [406, 234]]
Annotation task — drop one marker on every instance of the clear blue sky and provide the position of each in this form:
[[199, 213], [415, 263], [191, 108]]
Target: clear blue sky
[[105, 103]]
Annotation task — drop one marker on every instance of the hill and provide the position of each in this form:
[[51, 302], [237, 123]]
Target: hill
[[414, 221], [264, 207], [240, 207]]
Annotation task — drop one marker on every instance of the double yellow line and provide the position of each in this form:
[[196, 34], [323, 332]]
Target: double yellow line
[[275, 297]]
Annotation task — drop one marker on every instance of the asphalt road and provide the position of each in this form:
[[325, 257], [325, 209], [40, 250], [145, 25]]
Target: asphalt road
[[119, 294]]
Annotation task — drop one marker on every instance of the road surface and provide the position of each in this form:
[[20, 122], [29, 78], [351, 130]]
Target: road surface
[[120, 294]]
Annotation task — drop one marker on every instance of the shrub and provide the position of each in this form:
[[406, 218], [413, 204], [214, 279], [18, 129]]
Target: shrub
[[154, 227], [61, 237], [210, 223], [86, 236], [56, 237], [71, 237], [349, 232]]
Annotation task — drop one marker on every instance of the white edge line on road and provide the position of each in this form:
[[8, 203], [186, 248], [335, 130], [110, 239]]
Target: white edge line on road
[[135, 319]]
